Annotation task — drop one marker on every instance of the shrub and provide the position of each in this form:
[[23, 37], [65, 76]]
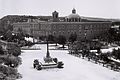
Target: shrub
[[16, 52], [2, 76], [12, 61], [28, 43], [8, 73]]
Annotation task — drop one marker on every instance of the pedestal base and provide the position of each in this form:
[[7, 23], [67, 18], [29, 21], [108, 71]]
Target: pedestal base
[[48, 59]]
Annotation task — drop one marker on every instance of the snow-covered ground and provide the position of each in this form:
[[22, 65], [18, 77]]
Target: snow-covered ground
[[58, 47], [74, 68]]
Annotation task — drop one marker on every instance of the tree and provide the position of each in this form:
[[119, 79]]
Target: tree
[[73, 37], [20, 36], [8, 36], [16, 52], [62, 40], [112, 31], [12, 61], [8, 73], [55, 40], [50, 38], [1, 50], [116, 53]]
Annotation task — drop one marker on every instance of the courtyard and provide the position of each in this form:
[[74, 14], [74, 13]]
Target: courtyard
[[74, 68]]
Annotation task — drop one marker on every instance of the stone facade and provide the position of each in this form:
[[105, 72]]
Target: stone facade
[[71, 24], [84, 30], [30, 27]]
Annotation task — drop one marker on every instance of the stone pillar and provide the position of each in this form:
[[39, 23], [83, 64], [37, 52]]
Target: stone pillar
[[48, 54]]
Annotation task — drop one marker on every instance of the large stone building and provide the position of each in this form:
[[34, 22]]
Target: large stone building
[[28, 27], [69, 25]]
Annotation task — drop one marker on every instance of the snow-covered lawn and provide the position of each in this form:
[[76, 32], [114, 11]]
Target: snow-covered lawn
[[74, 68], [58, 47]]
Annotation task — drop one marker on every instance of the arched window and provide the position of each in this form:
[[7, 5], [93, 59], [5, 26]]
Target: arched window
[[54, 32]]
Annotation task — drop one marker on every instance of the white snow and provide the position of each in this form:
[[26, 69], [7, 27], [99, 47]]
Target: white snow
[[30, 39], [58, 47], [109, 49], [74, 68]]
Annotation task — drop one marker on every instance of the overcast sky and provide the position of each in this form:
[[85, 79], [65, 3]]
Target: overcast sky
[[88, 8]]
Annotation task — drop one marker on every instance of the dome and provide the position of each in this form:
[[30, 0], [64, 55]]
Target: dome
[[73, 16]]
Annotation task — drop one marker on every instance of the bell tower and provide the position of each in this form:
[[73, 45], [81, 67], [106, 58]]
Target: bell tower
[[55, 16], [74, 11]]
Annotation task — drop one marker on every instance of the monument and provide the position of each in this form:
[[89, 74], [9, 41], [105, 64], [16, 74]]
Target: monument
[[48, 59], [48, 62]]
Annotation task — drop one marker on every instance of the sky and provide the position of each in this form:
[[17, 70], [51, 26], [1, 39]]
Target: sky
[[88, 8]]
